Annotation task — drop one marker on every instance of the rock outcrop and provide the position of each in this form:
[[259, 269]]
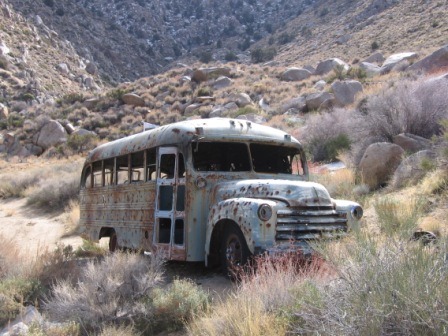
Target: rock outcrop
[[328, 65], [295, 74], [345, 91], [437, 60]]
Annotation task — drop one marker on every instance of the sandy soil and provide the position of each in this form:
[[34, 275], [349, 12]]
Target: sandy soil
[[34, 231]]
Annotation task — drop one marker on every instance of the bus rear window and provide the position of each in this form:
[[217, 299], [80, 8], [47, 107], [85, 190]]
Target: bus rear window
[[276, 159], [220, 156]]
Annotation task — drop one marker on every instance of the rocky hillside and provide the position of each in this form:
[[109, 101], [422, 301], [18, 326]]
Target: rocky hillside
[[129, 39]]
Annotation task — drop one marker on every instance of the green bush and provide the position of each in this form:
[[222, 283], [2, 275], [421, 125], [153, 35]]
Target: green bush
[[81, 143], [177, 304], [263, 55], [230, 56]]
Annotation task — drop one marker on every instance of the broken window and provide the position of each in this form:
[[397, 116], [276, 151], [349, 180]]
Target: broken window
[[87, 178], [151, 164], [220, 156], [276, 159], [97, 174], [109, 168], [122, 170], [137, 167]]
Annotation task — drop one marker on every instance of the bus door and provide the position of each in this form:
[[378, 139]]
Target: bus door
[[169, 233]]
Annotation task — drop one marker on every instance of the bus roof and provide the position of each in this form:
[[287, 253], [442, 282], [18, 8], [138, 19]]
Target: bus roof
[[214, 129]]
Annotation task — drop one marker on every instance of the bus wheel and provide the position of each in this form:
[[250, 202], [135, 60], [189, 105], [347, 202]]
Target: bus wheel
[[234, 252], [113, 245]]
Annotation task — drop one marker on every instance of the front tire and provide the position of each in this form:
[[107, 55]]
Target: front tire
[[234, 252]]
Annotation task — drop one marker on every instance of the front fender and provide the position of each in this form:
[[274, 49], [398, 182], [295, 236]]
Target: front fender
[[350, 208], [244, 213]]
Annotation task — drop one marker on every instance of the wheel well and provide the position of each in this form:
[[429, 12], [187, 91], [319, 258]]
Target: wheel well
[[106, 232], [215, 240]]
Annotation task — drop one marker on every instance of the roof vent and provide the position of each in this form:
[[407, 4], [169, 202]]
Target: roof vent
[[287, 137]]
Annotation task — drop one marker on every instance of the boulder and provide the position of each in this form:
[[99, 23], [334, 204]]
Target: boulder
[[222, 82], [63, 68], [345, 91], [82, 132], [379, 163], [412, 169], [91, 102], [69, 128], [320, 85], [328, 65], [91, 68], [298, 103], [411, 143], [377, 58], [264, 105], [4, 50], [203, 74], [133, 99], [438, 59], [310, 68], [191, 108], [34, 150], [394, 61], [29, 126], [51, 134], [370, 69], [232, 106], [4, 113], [217, 112], [258, 119], [295, 74], [241, 99], [319, 100]]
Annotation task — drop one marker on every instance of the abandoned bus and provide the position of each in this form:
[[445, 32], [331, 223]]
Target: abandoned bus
[[213, 190]]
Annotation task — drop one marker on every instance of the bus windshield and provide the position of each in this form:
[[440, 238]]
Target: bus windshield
[[228, 157], [276, 159]]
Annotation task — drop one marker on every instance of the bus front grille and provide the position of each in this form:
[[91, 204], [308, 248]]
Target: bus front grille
[[310, 223]]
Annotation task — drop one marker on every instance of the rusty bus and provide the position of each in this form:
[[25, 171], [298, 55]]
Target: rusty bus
[[214, 190]]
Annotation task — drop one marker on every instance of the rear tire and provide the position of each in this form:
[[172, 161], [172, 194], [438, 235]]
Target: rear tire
[[113, 242], [234, 252]]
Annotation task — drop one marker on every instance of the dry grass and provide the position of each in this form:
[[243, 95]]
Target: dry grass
[[257, 306]]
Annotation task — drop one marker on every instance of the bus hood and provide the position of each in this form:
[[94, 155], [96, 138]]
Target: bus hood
[[294, 193]]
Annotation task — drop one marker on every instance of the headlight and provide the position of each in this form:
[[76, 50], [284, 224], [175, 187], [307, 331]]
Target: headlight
[[356, 212], [265, 212]]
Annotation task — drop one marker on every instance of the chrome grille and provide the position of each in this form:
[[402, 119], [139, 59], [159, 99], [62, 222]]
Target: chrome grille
[[310, 223]]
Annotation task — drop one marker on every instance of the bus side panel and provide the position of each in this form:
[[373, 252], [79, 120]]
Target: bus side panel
[[127, 208]]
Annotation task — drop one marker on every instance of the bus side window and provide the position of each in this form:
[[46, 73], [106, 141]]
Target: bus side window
[[97, 174], [137, 169], [151, 164], [167, 165], [122, 170], [109, 167], [181, 169], [87, 180]]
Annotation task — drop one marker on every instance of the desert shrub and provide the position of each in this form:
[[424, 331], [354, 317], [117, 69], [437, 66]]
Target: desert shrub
[[3, 63], [116, 94], [230, 56], [89, 249], [55, 194], [205, 91], [80, 143], [112, 290], [63, 329], [177, 304], [411, 107], [260, 304], [206, 57], [399, 217], [386, 287], [71, 98], [263, 55], [14, 292], [245, 110], [15, 186], [327, 134]]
